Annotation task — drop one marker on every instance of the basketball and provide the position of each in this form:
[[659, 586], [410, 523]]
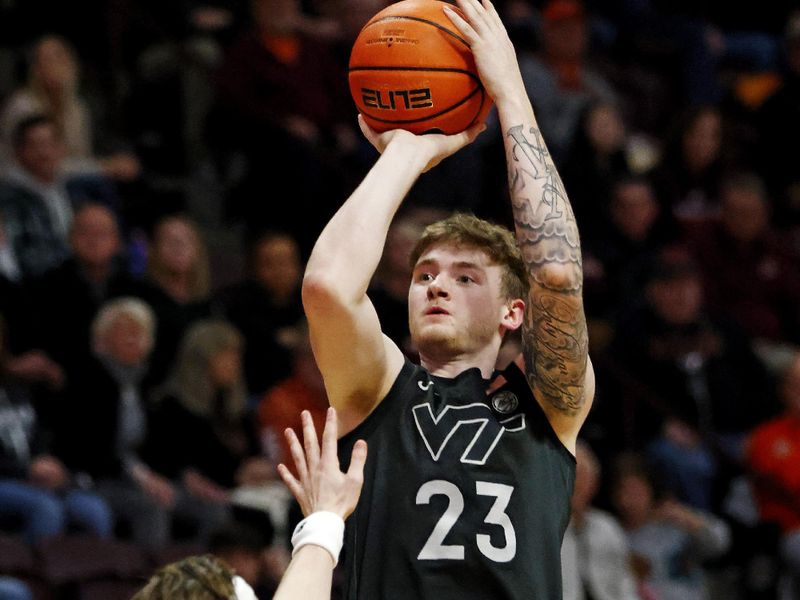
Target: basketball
[[410, 68]]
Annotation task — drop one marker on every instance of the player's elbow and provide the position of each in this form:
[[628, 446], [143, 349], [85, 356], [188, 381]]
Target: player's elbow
[[318, 292], [560, 277]]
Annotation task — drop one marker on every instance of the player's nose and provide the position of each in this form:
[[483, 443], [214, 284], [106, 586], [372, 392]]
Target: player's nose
[[436, 289]]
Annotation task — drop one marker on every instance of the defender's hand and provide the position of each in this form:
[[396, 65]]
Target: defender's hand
[[321, 485], [494, 53]]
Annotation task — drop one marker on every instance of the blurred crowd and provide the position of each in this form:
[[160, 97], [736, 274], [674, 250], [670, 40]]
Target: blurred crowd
[[166, 167]]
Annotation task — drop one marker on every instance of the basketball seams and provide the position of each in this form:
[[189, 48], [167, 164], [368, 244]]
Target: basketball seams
[[470, 74], [420, 20]]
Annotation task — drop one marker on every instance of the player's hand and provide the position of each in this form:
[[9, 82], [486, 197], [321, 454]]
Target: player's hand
[[494, 53], [434, 147], [320, 485]]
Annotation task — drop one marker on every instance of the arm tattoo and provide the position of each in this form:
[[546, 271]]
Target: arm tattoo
[[554, 331]]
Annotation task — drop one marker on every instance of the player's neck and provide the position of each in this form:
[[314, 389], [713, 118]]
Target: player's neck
[[453, 365]]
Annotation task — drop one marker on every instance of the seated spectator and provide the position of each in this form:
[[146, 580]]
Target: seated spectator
[[263, 306], [560, 81], [669, 540], [779, 125], [204, 399], [691, 380], [773, 454], [595, 558], [103, 422], [695, 158], [177, 287], [388, 289], [35, 486], [37, 199], [282, 97], [84, 282], [740, 247], [616, 265], [52, 90], [246, 551], [281, 406], [596, 161]]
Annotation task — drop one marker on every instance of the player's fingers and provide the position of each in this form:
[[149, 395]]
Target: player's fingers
[[357, 460], [293, 485], [310, 441], [463, 27], [491, 11], [298, 456], [329, 437], [474, 12], [369, 133], [468, 136]]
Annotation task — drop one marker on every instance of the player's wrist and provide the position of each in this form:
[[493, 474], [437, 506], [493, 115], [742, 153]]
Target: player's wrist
[[321, 528]]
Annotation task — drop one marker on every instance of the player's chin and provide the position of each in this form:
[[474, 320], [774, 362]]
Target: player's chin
[[435, 338]]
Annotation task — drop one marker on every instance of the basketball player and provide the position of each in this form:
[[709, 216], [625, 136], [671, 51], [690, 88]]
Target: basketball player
[[469, 476]]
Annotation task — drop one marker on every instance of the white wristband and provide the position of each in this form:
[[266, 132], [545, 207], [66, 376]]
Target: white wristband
[[322, 528]]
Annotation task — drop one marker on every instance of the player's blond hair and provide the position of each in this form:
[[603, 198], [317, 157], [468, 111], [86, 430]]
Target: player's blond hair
[[468, 231]]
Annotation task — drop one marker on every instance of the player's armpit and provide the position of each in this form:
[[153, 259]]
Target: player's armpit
[[358, 363]]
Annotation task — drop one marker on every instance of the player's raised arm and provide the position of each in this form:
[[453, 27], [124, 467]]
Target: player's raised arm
[[358, 363], [554, 331]]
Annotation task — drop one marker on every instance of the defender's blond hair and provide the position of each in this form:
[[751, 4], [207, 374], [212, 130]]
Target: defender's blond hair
[[195, 578]]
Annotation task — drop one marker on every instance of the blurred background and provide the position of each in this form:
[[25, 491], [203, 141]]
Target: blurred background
[[166, 168]]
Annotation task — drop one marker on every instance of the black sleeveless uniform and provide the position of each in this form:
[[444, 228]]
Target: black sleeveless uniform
[[466, 495]]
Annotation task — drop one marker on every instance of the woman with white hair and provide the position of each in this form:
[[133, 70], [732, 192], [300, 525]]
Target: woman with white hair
[[104, 422]]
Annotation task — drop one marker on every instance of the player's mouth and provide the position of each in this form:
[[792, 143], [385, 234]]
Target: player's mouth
[[436, 310]]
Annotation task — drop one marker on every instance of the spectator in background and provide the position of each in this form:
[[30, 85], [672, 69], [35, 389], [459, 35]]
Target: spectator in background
[[35, 486], [389, 287], [82, 284], [560, 81], [245, 551], [595, 557], [695, 159], [37, 200], [204, 400], [263, 306], [595, 161], [177, 287], [773, 454], [701, 386], [779, 127], [750, 275], [281, 95], [281, 406], [616, 264], [52, 90], [103, 422], [669, 540]]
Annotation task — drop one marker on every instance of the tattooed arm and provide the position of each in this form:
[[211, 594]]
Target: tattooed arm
[[554, 333]]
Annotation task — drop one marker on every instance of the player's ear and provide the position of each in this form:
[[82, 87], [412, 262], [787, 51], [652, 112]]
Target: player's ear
[[514, 312]]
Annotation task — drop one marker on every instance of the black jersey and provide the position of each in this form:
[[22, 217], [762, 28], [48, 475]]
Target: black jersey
[[466, 494]]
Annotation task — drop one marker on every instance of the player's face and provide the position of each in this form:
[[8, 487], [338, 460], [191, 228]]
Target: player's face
[[455, 302]]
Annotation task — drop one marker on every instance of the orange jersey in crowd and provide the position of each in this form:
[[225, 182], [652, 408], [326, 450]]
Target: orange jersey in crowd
[[774, 452]]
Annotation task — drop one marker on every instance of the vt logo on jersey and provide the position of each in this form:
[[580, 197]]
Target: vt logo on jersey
[[472, 426]]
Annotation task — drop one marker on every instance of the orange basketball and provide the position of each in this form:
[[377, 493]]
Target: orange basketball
[[410, 68]]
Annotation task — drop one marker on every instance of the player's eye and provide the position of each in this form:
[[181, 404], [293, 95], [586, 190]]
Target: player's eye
[[465, 279], [424, 277]]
